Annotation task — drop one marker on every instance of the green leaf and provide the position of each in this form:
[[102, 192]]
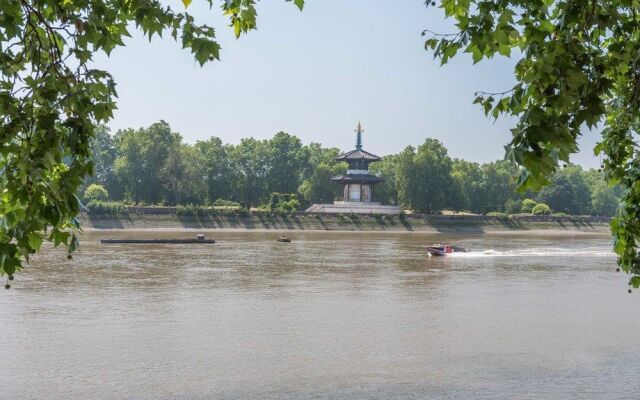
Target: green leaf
[[73, 244], [35, 240]]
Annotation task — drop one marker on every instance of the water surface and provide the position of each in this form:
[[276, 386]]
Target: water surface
[[330, 315]]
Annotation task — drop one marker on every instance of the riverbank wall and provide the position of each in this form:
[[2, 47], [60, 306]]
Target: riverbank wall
[[160, 219]]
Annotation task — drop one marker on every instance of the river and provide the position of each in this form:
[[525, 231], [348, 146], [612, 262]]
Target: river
[[332, 315]]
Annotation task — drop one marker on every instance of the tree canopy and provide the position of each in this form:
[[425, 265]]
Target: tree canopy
[[577, 67]]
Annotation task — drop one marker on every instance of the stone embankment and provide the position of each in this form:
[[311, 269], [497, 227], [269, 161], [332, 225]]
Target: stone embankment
[[167, 218]]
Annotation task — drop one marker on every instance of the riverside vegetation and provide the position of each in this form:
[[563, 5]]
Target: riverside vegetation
[[153, 166]]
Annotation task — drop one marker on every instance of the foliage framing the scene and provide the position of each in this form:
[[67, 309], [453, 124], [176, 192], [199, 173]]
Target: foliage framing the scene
[[51, 100], [578, 66]]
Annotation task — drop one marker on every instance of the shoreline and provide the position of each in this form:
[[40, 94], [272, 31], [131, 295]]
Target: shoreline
[[531, 232], [529, 225]]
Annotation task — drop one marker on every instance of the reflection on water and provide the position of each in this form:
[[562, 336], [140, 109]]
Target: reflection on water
[[330, 315]]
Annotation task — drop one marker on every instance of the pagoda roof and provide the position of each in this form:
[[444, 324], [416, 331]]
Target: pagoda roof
[[357, 178], [357, 154]]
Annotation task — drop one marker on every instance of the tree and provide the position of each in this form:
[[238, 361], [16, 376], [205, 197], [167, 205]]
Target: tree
[[386, 192], [405, 176], [541, 209], [96, 192], [142, 155], [217, 168], [320, 166], [512, 206], [576, 67], [528, 205], [499, 184], [51, 100], [103, 153], [285, 159], [283, 202], [181, 175], [470, 178], [251, 162], [319, 188], [424, 177], [604, 200], [128, 163], [560, 195], [582, 193]]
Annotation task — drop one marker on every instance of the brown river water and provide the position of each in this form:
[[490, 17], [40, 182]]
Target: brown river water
[[332, 315]]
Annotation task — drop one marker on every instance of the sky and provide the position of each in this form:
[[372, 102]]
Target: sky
[[315, 74]]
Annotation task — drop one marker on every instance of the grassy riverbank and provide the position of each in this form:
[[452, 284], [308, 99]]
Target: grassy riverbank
[[302, 221]]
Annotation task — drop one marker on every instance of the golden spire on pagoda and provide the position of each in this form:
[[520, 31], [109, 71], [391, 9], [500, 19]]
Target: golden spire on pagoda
[[358, 132]]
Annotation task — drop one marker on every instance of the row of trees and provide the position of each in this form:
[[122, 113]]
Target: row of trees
[[427, 179], [153, 166]]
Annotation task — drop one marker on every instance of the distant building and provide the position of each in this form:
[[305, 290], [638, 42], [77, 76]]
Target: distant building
[[358, 184]]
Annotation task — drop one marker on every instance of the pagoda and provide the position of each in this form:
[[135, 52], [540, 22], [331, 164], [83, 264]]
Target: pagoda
[[357, 183]]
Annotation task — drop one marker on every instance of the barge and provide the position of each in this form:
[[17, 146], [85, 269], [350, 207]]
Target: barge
[[197, 240]]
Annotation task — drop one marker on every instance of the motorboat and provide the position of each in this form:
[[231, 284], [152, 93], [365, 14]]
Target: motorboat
[[444, 249]]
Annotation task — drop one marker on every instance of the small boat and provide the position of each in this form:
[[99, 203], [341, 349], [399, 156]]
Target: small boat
[[444, 249], [284, 239], [198, 239]]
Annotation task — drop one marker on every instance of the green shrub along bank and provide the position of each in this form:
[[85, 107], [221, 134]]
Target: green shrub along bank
[[541, 209], [107, 208], [282, 207]]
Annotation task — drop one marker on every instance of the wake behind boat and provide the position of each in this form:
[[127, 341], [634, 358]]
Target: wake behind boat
[[444, 249]]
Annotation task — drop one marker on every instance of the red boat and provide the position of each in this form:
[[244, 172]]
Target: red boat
[[444, 249]]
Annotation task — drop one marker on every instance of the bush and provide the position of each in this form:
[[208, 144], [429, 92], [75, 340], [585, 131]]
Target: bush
[[95, 192], [191, 210], [541, 209], [283, 202], [497, 214], [560, 214], [527, 206], [107, 207], [225, 203], [512, 206], [194, 210]]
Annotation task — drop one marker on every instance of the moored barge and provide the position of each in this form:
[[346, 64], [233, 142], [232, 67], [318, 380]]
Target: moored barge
[[197, 240]]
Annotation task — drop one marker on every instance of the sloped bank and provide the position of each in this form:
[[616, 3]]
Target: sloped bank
[[148, 219]]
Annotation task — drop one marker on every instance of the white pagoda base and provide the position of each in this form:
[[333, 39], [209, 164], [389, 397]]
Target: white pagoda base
[[354, 207]]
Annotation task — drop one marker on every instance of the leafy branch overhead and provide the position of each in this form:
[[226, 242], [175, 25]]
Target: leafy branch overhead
[[51, 99], [578, 67]]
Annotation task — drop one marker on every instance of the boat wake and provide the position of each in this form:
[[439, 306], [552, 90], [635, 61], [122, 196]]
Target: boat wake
[[546, 252]]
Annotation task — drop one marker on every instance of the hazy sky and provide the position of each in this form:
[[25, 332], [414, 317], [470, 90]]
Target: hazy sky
[[315, 74]]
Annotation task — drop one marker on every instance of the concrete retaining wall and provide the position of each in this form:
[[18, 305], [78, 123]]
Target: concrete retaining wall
[[308, 221]]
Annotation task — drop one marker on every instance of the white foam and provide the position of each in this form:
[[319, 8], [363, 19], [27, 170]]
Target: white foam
[[541, 252]]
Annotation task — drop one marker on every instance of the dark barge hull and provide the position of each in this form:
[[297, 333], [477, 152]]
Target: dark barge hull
[[158, 241]]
